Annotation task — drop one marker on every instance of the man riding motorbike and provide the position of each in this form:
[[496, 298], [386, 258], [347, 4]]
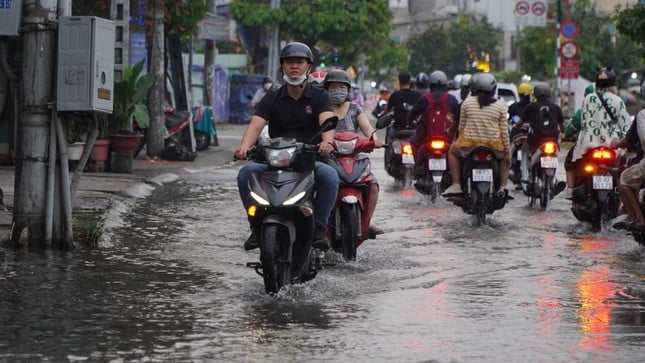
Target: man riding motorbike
[[571, 130], [437, 82], [352, 118], [482, 121], [294, 110], [632, 178], [401, 102]]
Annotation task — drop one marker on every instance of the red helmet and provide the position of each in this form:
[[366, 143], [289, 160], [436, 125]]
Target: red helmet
[[317, 77]]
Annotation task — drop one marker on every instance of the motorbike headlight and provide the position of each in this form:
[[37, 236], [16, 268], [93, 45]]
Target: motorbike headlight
[[345, 147], [280, 157], [294, 199], [259, 199]]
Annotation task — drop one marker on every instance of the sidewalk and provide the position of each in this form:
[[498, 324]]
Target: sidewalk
[[96, 191]]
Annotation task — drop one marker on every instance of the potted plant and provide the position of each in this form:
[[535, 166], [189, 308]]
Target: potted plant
[[129, 96]]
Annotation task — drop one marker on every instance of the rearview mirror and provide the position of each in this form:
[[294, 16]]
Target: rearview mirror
[[384, 121], [329, 124]]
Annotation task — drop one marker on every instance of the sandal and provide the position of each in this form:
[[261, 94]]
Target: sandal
[[372, 232]]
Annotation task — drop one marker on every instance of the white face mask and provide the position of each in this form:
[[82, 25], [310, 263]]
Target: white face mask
[[295, 81]]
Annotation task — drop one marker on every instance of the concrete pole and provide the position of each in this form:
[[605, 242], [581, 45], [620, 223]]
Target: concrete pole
[[155, 136], [36, 99], [209, 63], [273, 65]]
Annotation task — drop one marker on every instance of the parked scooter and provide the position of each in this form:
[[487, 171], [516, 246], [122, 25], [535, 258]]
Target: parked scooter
[[177, 139], [282, 209], [479, 181], [349, 220], [542, 167], [399, 154], [594, 198], [437, 176]]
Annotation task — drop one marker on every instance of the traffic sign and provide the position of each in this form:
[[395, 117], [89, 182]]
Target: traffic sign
[[569, 29], [569, 50], [538, 8], [522, 8], [569, 69]]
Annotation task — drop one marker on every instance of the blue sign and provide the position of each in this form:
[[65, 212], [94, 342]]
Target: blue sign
[[5, 4], [138, 51], [569, 29]]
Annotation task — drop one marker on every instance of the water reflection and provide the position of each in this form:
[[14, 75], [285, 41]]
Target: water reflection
[[595, 291]]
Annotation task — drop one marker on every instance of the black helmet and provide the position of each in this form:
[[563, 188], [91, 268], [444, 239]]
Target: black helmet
[[542, 90], [296, 50], [438, 79], [485, 82], [422, 80], [605, 77], [338, 75]]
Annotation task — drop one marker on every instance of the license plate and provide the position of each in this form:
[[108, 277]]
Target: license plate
[[519, 156], [603, 182], [436, 164], [407, 159], [549, 162], [482, 175]]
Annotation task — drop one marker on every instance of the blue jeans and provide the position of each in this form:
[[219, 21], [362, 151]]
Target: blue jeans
[[326, 189]]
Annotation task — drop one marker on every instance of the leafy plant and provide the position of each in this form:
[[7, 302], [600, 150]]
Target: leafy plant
[[129, 95]]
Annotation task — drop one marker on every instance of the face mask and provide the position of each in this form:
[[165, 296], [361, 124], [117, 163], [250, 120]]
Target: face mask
[[337, 95], [266, 86], [295, 81]]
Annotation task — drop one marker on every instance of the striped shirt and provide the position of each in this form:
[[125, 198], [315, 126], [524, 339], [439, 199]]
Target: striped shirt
[[485, 126]]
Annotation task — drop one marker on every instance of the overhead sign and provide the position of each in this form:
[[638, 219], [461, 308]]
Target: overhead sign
[[569, 50], [530, 13], [569, 69]]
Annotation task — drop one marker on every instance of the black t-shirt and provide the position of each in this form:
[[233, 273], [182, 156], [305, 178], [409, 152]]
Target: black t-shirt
[[294, 118], [401, 102], [531, 115], [517, 108]]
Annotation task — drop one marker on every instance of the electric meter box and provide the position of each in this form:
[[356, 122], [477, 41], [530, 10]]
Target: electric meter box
[[85, 64], [10, 16]]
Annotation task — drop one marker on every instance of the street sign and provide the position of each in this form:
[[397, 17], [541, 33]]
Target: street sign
[[538, 8], [569, 50], [569, 69], [522, 8], [569, 29]]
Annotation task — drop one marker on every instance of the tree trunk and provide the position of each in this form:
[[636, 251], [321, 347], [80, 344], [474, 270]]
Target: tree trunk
[[155, 135]]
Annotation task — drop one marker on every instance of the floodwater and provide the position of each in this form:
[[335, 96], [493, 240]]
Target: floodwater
[[530, 286]]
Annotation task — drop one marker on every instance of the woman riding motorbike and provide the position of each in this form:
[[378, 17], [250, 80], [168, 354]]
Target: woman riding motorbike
[[352, 118]]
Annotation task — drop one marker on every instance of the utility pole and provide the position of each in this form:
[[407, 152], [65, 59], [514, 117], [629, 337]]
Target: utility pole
[[273, 61], [558, 86], [36, 105], [155, 139]]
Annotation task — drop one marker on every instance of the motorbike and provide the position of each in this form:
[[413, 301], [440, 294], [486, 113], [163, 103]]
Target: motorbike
[[595, 198], [178, 144], [518, 140], [283, 210], [542, 166], [479, 181], [437, 176], [399, 154], [349, 220]]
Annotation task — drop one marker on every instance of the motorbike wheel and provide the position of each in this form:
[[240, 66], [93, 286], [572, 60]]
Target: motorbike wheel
[[434, 191], [349, 232], [406, 178], [275, 267], [202, 140], [547, 192], [481, 209]]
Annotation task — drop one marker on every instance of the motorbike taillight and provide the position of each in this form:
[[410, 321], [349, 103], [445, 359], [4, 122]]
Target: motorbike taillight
[[603, 154], [482, 156], [549, 147], [407, 149], [590, 168], [437, 144]]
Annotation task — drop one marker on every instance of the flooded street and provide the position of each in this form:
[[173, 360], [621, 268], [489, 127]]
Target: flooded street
[[529, 286]]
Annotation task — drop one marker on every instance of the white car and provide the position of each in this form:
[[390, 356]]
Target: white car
[[508, 93]]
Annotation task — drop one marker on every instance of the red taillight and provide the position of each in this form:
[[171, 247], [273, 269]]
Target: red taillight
[[407, 149], [549, 148], [603, 154], [590, 168], [437, 144], [482, 156]]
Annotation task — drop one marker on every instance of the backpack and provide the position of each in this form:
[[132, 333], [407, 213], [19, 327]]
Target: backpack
[[438, 117], [546, 126]]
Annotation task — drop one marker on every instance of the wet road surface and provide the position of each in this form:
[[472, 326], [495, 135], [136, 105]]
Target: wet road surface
[[530, 286]]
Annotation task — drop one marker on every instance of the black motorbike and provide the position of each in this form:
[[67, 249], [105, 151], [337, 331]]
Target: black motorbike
[[595, 198], [436, 178], [399, 153], [282, 210], [479, 182], [542, 184]]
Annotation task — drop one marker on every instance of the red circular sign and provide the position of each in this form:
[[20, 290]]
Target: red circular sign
[[538, 8], [569, 50], [522, 8]]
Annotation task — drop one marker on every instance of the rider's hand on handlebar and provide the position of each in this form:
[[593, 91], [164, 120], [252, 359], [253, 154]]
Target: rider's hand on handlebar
[[241, 153], [325, 148], [378, 143]]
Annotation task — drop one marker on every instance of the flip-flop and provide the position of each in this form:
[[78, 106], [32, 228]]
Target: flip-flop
[[622, 225]]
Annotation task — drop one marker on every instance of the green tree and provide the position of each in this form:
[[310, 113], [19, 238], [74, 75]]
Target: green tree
[[348, 25], [455, 48], [537, 51], [631, 23]]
